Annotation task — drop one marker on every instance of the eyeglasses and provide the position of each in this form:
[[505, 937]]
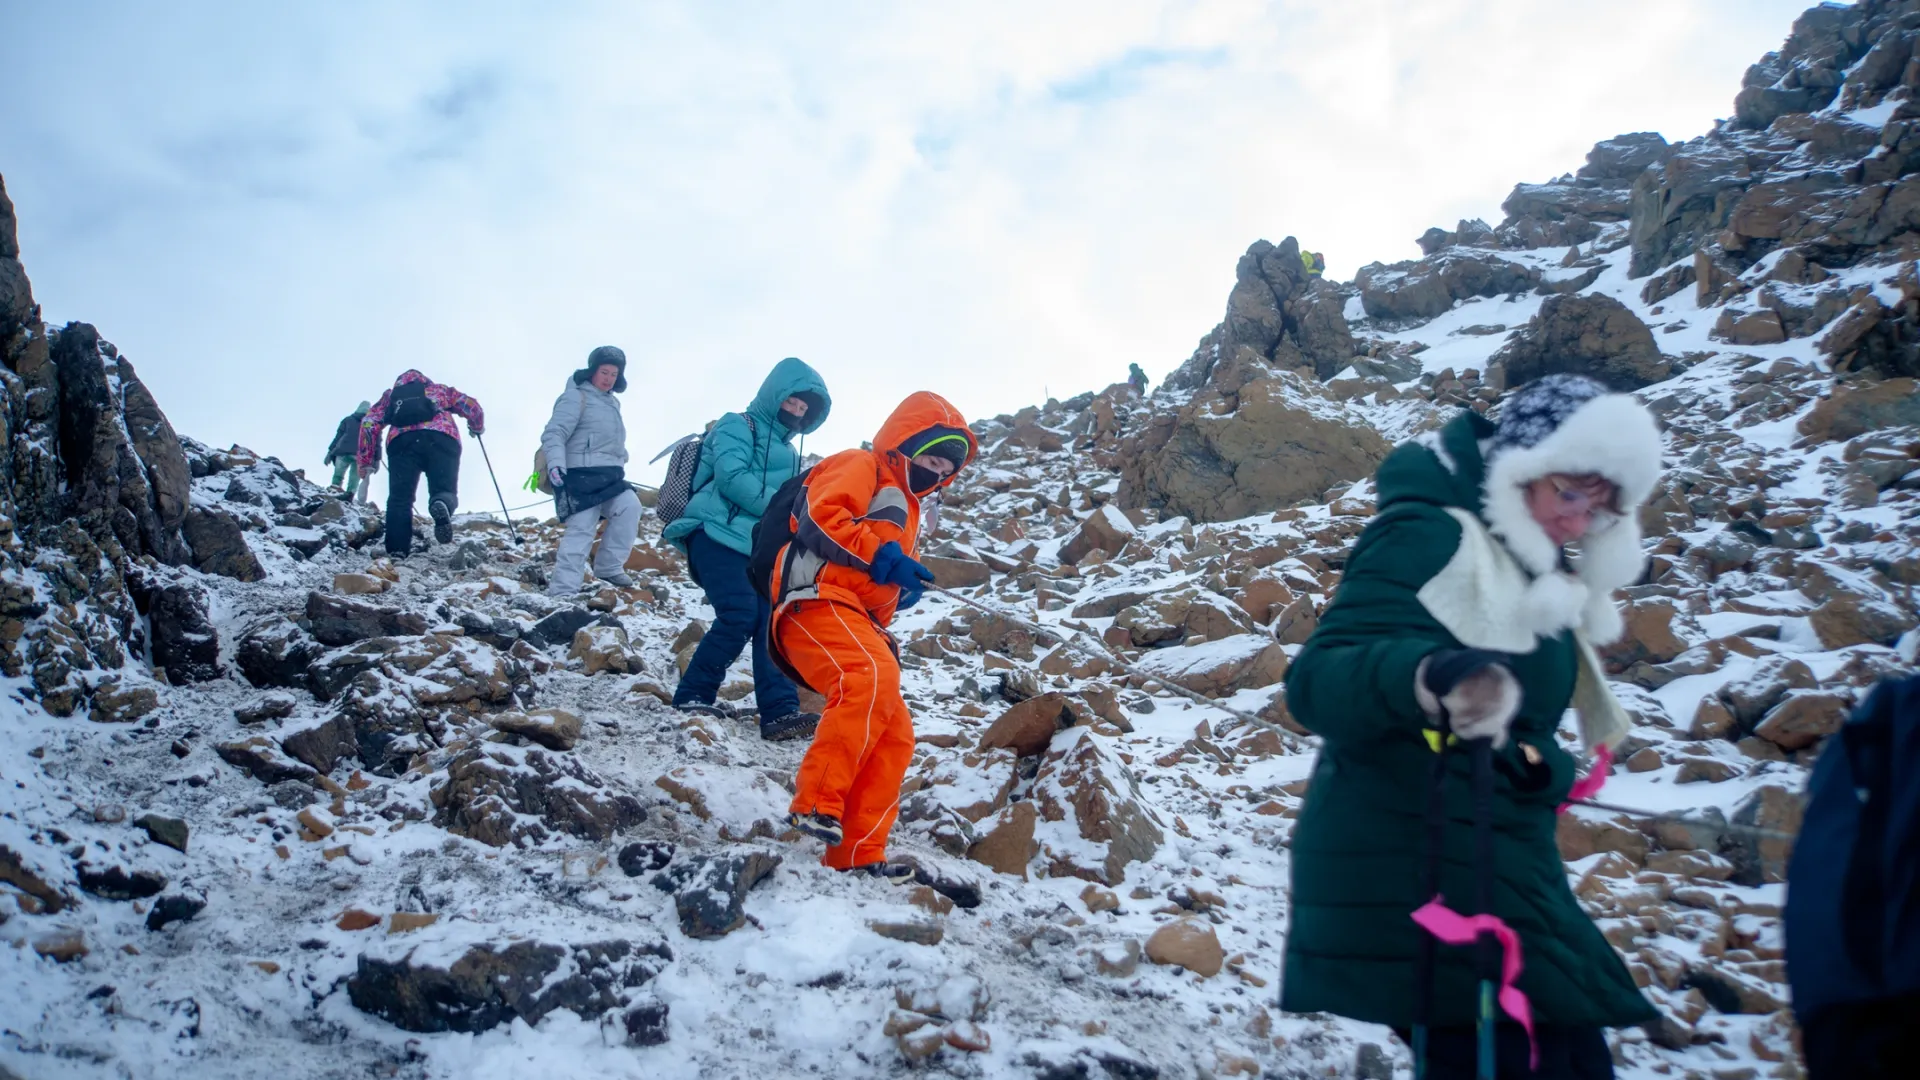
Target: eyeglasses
[[1597, 498]]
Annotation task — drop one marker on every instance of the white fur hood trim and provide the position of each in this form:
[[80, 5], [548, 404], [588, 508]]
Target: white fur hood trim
[[1612, 436]]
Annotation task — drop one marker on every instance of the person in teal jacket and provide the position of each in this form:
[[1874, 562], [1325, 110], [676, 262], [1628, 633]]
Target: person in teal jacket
[[744, 459]]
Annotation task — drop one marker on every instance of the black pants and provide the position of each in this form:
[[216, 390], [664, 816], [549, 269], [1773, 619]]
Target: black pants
[[739, 617], [433, 453], [1566, 1053]]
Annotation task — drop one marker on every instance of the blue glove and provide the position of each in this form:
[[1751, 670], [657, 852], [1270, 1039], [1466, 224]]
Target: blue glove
[[891, 566]]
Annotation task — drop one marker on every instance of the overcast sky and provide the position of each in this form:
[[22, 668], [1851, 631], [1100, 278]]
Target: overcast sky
[[275, 209]]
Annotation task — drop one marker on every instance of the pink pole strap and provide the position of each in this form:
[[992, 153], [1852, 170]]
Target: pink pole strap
[[1456, 929], [1589, 785]]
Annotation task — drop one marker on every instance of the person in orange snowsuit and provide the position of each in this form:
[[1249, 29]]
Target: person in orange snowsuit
[[835, 587]]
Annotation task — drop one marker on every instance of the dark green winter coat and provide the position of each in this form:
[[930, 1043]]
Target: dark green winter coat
[[1359, 848]]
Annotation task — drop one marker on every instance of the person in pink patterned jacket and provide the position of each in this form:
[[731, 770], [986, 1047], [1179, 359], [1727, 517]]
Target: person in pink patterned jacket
[[424, 440]]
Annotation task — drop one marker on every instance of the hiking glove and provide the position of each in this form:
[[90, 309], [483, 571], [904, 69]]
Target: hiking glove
[[892, 566], [1473, 688], [557, 477]]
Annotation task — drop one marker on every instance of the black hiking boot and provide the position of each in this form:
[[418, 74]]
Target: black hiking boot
[[819, 826], [442, 514], [794, 725], [700, 708], [893, 871]]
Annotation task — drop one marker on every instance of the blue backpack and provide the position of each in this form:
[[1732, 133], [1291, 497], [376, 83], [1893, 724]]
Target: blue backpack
[[1853, 894]]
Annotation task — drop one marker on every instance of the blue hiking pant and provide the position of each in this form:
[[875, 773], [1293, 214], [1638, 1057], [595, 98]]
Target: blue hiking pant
[[739, 616]]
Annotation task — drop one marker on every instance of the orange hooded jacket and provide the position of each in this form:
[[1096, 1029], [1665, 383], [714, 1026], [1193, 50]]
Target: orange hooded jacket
[[851, 505]]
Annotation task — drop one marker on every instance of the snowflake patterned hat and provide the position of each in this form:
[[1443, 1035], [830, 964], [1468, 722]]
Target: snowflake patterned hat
[[1570, 424]]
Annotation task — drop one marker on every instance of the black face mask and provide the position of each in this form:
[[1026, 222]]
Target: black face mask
[[792, 422], [922, 479]]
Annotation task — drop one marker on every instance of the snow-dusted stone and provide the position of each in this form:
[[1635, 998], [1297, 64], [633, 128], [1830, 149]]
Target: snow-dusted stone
[[1007, 845], [276, 652], [185, 643], [1804, 717], [604, 648], [356, 584], [710, 891], [321, 745], [1092, 820], [122, 701], [1758, 859], [1029, 726], [1649, 636], [260, 757], [1106, 529], [956, 573], [339, 621], [1176, 616], [1296, 622], [973, 785], [555, 729], [743, 801], [1217, 668], [430, 988], [561, 626], [509, 795], [115, 882], [1189, 944], [1750, 697], [1854, 620]]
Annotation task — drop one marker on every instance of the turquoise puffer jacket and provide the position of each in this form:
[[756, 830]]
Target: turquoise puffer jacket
[[742, 464]]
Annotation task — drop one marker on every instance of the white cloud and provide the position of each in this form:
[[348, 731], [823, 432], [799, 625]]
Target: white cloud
[[274, 213]]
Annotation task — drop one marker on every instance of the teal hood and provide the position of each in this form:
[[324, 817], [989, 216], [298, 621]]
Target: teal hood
[[745, 458], [791, 377]]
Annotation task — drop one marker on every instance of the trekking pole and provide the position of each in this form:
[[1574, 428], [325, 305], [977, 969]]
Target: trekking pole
[[1486, 949], [1289, 738], [1678, 818], [488, 458], [1423, 961]]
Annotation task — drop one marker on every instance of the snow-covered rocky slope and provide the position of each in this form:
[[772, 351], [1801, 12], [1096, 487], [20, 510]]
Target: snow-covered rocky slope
[[271, 804]]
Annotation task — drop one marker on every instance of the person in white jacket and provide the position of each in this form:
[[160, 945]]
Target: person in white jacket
[[586, 451]]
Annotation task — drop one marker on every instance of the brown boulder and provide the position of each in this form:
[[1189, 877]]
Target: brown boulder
[[1028, 727], [1106, 529], [1593, 335], [952, 573], [1852, 620], [1222, 667], [1803, 718], [1174, 617], [1281, 444], [1756, 859], [1752, 696], [555, 729], [1008, 846], [1190, 944], [1712, 720], [1296, 622], [1762, 327], [1649, 636], [1262, 597], [1857, 408]]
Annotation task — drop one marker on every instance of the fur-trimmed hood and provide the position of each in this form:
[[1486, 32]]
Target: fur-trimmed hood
[[1611, 435]]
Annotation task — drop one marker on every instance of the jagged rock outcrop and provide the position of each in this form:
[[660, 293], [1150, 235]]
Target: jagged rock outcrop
[[1593, 335], [1282, 443], [1412, 291], [489, 985], [1279, 318], [125, 471]]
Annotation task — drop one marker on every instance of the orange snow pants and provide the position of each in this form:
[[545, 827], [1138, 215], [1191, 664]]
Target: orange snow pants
[[864, 743]]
